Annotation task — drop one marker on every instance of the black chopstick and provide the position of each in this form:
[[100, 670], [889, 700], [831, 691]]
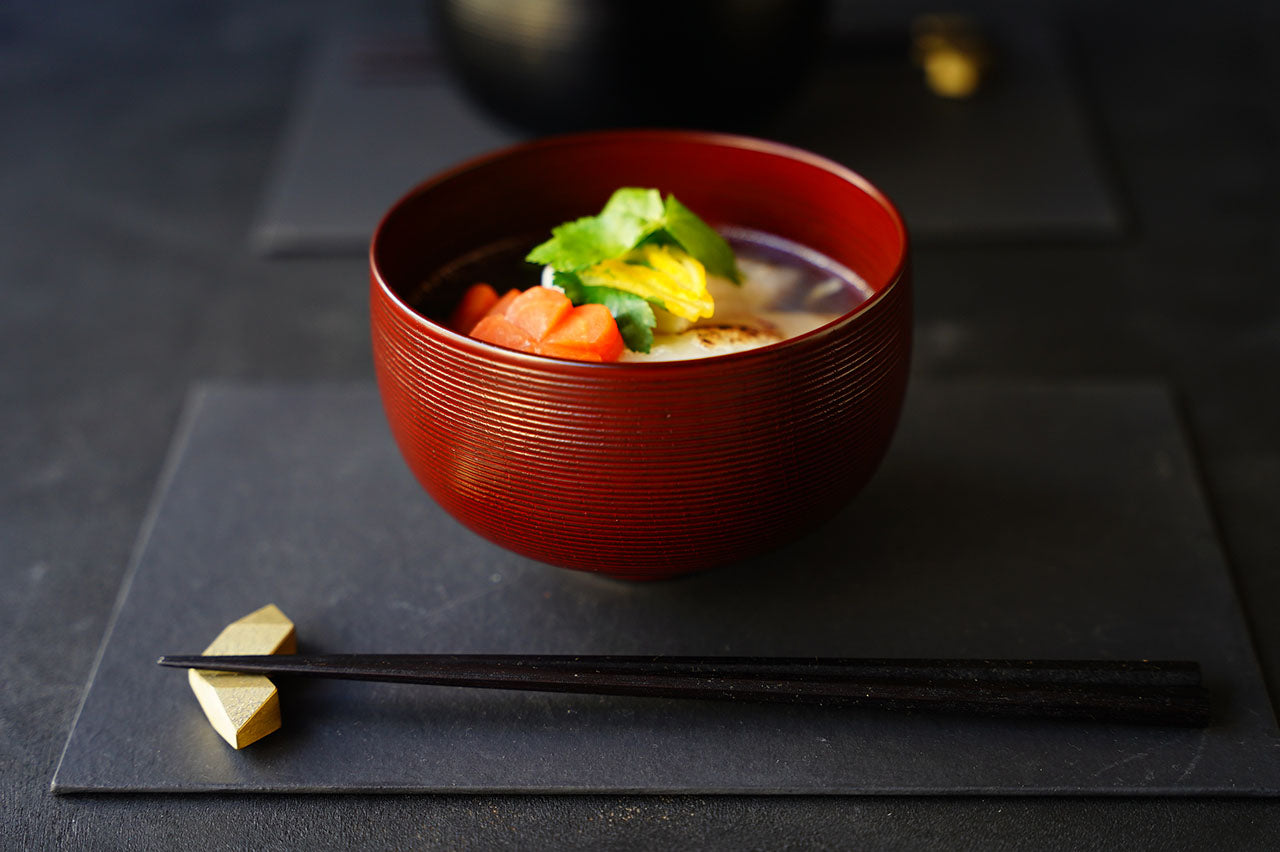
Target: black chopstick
[[1138, 691]]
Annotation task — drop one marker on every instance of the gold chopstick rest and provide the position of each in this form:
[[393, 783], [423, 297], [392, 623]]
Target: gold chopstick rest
[[244, 708], [953, 53]]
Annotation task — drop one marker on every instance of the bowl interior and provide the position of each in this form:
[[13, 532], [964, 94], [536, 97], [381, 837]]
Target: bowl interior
[[508, 202]]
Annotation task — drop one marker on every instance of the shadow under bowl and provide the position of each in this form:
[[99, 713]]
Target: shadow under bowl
[[639, 470]]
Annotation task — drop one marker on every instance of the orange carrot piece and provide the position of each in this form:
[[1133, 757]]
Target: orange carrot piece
[[538, 310], [573, 353], [500, 307], [541, 320], [475, 303], [590, 327], [499, 330]]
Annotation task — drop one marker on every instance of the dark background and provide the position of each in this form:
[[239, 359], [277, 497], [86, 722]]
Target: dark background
[[135, 142]]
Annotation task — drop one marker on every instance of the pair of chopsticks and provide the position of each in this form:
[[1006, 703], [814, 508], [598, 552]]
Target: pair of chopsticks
[[1136, 691]]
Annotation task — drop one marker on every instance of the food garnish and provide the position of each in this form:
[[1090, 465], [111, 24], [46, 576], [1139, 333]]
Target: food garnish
[[539, 320], [609, 280], [639, 254]]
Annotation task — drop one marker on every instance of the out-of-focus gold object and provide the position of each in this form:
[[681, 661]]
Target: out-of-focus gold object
[[953, 52], [245, 708]]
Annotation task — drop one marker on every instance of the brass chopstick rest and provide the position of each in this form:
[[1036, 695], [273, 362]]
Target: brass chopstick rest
[[953, 53], [244, 708]]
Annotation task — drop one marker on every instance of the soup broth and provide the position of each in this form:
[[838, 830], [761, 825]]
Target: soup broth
[[786, 290]]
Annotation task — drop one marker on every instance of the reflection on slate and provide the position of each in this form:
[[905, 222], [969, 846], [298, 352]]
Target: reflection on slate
[[1007, 522], [380, 113]]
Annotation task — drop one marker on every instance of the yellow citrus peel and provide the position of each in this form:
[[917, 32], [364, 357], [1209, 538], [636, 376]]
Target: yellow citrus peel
[[666, 274]]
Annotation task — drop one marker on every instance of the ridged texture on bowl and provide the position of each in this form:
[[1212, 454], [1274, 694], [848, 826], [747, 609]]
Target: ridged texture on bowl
[[643, 470]]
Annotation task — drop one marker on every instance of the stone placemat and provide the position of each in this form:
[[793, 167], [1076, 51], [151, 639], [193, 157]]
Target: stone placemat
[[378, 112], [1007, 521]]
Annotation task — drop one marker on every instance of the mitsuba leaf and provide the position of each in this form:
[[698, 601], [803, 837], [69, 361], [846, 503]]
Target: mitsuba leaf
[[633, 315], [629, 216], [699, 239], [634, 211], [577, 245], [633, 216], [571, 285]]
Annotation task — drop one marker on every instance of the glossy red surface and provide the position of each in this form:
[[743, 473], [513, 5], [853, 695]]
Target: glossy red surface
[[642, 471]]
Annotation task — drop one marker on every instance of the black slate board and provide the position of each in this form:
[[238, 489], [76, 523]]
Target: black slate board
[[1008, 521], [379, 111]]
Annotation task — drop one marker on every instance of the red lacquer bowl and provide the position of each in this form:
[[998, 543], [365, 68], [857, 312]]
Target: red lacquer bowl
[[640, 471]]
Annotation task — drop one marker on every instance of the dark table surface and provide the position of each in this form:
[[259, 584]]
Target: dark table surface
[[136, 141]]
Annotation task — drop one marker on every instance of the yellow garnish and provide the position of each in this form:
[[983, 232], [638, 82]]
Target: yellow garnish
[[664, 274]]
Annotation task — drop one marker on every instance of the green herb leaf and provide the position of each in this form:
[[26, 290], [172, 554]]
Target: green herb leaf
[[700, 240], [571, 285], [634, 211], [633, 314], [629, 216], [577, 245], [633, 216]]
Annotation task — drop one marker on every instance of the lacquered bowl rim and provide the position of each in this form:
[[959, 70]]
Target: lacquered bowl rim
[[707, 138]]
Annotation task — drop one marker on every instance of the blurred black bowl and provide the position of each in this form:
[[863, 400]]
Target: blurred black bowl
[[562, 65]]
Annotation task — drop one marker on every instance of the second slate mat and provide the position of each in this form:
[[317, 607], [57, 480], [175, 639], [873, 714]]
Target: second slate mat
[[1008, 521], [379, 111]]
